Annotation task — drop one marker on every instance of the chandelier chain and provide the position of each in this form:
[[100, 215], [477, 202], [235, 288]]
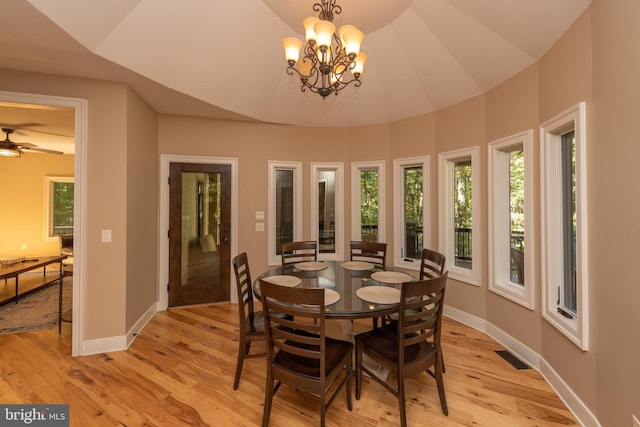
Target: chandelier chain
[[326, 9]]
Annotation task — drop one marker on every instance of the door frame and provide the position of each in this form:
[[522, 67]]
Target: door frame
[[163, 225], [80, 106]]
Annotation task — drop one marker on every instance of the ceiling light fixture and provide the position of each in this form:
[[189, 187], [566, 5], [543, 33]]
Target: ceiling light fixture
[[331, 61], [10, 152]]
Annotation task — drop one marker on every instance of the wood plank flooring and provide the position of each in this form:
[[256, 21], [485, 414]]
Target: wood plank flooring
[[179, 372]]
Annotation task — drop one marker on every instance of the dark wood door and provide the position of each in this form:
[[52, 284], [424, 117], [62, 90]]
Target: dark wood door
[[199, 233]]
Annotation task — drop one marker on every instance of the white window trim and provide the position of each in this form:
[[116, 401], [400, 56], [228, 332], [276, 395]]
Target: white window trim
[[576, 329], [499, 219], [338, 168], [356, 226], [296, 167], [446, 163], [48, 203], [398, 207]]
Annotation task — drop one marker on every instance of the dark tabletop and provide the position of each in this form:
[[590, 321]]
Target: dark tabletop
[[344, 281]]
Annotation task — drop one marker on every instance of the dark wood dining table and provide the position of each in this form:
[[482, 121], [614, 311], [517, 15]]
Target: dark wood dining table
[[346, 282]]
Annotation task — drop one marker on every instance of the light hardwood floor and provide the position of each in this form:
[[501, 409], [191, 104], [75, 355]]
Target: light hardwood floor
[[179, 372]]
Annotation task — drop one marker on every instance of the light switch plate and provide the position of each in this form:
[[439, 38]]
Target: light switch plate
[[259, 226], [259, 215], [106, 236]]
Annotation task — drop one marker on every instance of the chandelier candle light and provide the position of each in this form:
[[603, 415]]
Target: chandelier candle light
[[331, 61]]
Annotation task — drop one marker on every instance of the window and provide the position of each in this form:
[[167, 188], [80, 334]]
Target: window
[[510, 209], [459, 213], [411, 225], [327, 213], [285, 206], [367, 205], [59, 207], [564, 224]]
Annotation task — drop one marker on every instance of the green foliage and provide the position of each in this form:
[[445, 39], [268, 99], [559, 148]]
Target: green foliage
[[369, 197], [62, 208], [413, 195], [463, 203], [516, 190]]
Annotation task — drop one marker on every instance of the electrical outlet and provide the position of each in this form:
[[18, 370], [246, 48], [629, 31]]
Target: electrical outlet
[[106, 236], [636, 422], [23, 246]]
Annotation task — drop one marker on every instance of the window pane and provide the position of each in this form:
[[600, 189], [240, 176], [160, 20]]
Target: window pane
[[568, 153], [62, 209], [462, 211], [284, 207], [369, 205], [516, 214], [413, 199], [327, 211]]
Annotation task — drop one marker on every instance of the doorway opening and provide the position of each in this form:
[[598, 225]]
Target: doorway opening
[[164, 223], [33, 102]]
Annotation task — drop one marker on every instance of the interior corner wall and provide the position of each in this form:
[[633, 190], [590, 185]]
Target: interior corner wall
[[142, 208], [105, 176]]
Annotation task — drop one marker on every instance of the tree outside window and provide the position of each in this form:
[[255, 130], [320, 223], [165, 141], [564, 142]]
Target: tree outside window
[[60, 199]]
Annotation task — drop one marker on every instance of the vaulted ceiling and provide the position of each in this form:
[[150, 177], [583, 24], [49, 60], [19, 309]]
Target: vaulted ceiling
[[224, 58]]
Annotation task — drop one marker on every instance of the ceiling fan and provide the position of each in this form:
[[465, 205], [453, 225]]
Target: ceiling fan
[[9, 148]]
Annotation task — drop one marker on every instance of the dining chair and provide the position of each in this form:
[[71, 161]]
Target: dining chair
[[432, 265], [299, 353], [373, 252], [293, 252], [250, 322], [409, 346]]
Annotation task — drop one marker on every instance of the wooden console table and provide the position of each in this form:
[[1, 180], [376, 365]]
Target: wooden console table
[[26, 285]]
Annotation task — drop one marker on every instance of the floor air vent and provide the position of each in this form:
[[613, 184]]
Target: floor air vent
[[514, 361]]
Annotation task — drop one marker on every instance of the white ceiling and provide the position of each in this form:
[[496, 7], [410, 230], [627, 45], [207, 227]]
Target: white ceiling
[[224, 59]]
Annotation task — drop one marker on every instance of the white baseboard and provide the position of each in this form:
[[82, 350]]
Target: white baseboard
[[121, 342], [584, 416], [582, 413]]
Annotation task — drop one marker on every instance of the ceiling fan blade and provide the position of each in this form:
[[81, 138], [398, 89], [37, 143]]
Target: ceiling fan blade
[[25, 130], [41, 150], [17, 126], [24, 145]]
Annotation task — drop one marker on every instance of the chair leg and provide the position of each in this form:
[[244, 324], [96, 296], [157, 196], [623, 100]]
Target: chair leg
[[349, 373], [358, 371], [268, 399], [440, 383], [442, 358], [243, 349], [401, 402], [323, 408]]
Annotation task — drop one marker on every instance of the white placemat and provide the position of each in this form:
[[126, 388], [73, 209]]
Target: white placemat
[[310, 265], [330, 297], [379, 294], [357, 265], [284, 280], [391, 277]]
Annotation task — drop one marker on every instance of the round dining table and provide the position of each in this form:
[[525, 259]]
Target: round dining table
[[354, 289]]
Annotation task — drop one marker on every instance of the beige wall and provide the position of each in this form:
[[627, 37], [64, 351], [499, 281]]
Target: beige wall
[[23, 196], [614, 210], [565, 80], [142, 208], [107, 295]]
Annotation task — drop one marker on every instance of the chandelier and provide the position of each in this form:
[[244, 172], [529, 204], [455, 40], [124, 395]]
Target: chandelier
[[330, 61]]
